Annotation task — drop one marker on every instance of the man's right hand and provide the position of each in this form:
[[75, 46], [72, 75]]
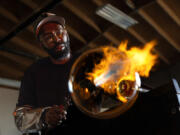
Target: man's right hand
[[55, 115]]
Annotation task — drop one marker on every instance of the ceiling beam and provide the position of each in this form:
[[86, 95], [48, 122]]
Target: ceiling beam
[[81, 14], [99, 2], [91, 44], [30, 48], [8, 15], [6, 70], [112, 38], [12, 17], [10, 47], [172, 8], [11, 63], [161, 22], [17, 59], [30, 4], [75, 34], [26, 46]]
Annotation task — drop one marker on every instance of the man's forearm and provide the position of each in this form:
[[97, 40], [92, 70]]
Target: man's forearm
[[29, 120]]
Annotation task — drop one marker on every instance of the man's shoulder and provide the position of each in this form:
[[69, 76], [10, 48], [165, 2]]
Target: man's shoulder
[[38, 63]]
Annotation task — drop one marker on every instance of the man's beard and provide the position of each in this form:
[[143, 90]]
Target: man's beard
[[59, 55]]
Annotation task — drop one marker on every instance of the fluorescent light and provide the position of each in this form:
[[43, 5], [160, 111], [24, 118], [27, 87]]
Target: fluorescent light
[[176, 85], [116, 16]]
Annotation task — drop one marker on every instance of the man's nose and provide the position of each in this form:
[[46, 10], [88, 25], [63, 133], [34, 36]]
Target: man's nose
[[57, 38]]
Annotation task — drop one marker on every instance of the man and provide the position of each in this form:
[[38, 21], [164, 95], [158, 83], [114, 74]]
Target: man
[[43, 98]]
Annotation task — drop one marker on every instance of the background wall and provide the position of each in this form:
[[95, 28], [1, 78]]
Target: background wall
[[8, 99]]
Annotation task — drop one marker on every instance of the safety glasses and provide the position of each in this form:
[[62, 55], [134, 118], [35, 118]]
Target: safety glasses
[[50, 38]]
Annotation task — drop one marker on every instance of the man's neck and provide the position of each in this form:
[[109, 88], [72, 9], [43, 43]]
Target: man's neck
[[61, 61]]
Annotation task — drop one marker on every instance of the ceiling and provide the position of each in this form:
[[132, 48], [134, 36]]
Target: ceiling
[[158, 19]]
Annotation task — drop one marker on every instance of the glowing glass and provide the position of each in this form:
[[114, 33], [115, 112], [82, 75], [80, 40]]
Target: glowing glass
[[91, 98]]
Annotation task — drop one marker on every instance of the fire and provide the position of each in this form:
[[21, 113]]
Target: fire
[[121, 64]]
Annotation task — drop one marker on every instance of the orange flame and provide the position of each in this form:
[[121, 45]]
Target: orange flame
[[122, 64]]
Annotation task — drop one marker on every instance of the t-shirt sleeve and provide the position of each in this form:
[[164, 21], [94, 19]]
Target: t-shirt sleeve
[[27, 94]]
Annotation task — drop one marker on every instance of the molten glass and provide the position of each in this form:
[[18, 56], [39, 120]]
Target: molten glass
[[104, 82]]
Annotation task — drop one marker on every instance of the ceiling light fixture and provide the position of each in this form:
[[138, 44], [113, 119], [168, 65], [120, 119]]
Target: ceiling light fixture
[[116, 16]]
